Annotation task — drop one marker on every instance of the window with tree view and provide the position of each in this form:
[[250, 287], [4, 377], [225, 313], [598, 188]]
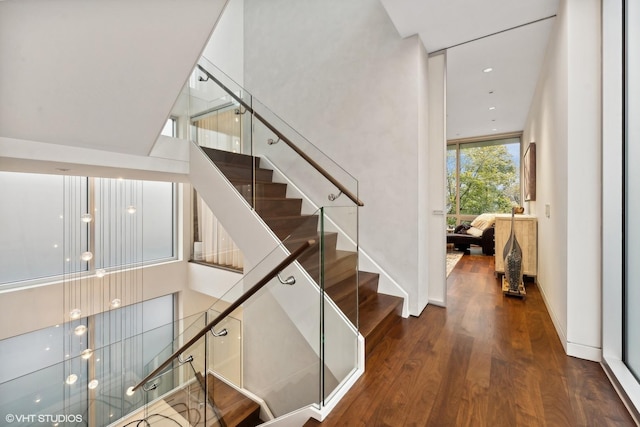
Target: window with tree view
[[482, 177]]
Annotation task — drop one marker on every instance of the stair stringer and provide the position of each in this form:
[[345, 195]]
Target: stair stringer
[[386, 284], [256, 241]]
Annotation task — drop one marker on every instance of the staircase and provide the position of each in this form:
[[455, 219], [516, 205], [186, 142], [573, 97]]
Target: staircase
[[373, 313]]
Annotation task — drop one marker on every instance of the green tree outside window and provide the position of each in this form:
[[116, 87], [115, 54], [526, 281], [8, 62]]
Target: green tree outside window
[[489, 177]]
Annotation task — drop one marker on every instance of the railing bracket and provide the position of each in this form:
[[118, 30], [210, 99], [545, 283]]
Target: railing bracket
[[288, 281], [187, 360], [152, 387], [222, 333], [332, 196], [271, 141], [239, 112]]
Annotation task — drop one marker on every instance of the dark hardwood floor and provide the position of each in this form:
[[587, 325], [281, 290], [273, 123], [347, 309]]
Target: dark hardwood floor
[[486, 360]]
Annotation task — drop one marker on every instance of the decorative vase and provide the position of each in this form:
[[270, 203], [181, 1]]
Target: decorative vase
[[512, 256]]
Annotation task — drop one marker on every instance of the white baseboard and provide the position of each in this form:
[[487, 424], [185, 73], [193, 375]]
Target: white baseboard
[[438, 302], [580, 351], [584, 352], [554, 319]]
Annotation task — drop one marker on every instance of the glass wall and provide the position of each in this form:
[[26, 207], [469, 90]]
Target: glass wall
[[482, 176], [37, 210], [212, 243], [631, 322], [149, 237], [620, 198], [105, 355], [32, 225]]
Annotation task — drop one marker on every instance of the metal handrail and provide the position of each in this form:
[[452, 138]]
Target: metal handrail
[[266, 279], [286, 140]]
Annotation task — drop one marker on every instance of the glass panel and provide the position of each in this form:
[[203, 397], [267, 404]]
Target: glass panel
[[184, 400], [39, 398], [220, 129], [631, 338], [285, 179], [134, 221], [158, 220], [32, 238], [225, 351], [281, 345], [96, 363], [244, 125], [212, 244], [489, 176]]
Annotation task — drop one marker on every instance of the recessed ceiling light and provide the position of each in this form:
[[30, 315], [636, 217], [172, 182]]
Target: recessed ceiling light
[[492, 108], [494, 129], [487, 70]]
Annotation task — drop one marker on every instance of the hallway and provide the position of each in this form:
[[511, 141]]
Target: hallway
[[487, 360]]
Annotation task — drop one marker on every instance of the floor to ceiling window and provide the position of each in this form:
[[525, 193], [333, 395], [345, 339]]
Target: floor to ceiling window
[[39, 376], [482, 176], [621, 198], [34, 234], [631, 317]]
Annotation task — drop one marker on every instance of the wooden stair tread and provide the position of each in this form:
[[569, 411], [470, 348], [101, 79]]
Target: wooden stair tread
[[236, 181], [236, 408], [230, 157], [339, 265], [346, 289], [374, 311], [277, 199]]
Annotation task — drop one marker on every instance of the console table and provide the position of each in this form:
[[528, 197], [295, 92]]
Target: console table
[[526, 230]]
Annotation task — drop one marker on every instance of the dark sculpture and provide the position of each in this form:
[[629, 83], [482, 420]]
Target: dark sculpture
[[512, 256]]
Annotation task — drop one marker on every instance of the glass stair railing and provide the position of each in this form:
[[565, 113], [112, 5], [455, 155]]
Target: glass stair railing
[[298, 191], [259, 352], [274, 345]]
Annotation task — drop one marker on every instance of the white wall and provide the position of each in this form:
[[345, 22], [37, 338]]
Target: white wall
[[30, 309], [437, 149], [226, 45], [341, 75], [564, 122]]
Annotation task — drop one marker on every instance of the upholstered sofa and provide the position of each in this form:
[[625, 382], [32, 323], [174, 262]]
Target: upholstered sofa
[[480, 232]]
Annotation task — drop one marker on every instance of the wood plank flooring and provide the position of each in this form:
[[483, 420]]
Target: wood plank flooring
[[486, 360]]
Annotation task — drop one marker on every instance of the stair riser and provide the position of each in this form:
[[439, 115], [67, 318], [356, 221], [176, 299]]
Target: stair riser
[[238, 172], [275, 208], [313, 253], [335, 270], [262, 190], [302, 226]]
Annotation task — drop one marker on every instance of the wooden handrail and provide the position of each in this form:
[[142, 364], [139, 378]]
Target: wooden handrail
[[266, 279], [286, 140]]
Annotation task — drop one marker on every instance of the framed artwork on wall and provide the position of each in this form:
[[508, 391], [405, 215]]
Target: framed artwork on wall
[[529, 172]]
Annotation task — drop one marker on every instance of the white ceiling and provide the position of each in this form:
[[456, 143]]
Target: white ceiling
[[474, 33], [87, 74]]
